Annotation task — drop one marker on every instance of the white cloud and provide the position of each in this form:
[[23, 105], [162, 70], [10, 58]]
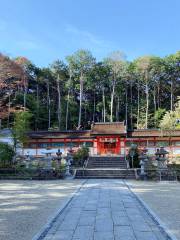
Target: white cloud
[[87, 38]]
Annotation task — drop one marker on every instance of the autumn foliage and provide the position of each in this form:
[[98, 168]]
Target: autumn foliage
[[12, 79]]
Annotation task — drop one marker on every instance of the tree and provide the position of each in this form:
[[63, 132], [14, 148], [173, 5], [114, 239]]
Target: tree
[[59, 71], [143, 65], [81, 61], [138, 92], [20, 128], [158, 116], [6, 155], [28, 70], [172, 63], [116, 63], [11, 80], [98, 81], [171, 119]]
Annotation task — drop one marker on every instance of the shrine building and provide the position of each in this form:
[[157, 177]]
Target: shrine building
[[103, 139]]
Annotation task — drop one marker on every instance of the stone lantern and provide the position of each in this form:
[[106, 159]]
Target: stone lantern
[[28, 159], [69, 160], [48, 158], [132, 152], [161, 158], [59, 156], [142, 161]]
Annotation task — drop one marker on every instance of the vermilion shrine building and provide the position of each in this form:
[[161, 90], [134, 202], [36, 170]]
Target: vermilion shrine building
[[104, 139]]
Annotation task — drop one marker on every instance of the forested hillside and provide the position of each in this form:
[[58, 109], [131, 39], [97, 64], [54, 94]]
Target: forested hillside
[[73, 94]]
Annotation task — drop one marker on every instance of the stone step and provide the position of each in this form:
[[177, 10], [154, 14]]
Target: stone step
[[105, 173], [107, 162], [103, 177], [106, 166]]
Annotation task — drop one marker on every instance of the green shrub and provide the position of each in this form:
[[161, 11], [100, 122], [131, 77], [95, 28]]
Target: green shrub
[[80, 156], [6, 155]]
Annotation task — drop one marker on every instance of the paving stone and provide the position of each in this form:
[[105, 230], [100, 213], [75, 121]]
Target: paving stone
[[141, 227], [145, 236], [103, 225], [123, 232], [126, 238], [88, 213], [87, 221], [103, 235], [83, 232], [68, 225], [90, 207], [119, 213], [63, 235], [124, 221]]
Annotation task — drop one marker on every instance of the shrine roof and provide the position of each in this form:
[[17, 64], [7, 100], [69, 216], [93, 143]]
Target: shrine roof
[[60, 134], [108, 128], [153, 133]]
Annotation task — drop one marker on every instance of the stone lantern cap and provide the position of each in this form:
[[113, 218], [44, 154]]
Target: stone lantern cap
[[58, 153], [161, 151]]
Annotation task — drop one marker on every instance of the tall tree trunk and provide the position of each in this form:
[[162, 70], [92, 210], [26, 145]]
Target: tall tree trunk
[[9, 107], [80, 100], [158, 95], [67, 109], [85, 113], [154, 100], [104, 105], [131, 111], [48, 105], [112, 101], [126, 108], [59, 103], [37, 106], [25, 92], [68, 98], [138, 107], [94, 106], [147, 101], [172, 96], [117, 110]]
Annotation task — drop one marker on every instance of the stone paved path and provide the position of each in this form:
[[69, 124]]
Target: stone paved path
[[104, 210]]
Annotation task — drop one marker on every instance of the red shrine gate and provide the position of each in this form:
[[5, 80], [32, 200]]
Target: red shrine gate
[[108, 145]]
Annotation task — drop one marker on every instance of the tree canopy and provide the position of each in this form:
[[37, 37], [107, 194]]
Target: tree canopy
[[73, 93]]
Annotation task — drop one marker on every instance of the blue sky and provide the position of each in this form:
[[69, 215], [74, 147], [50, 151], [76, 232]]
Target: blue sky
[[44, 30]]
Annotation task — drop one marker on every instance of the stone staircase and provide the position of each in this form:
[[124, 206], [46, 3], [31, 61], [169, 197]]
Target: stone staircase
[[106, 173], [107, 162], [106, 167]]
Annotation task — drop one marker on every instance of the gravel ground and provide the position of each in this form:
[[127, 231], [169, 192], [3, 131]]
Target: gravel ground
[[164, 199], [25, 206]]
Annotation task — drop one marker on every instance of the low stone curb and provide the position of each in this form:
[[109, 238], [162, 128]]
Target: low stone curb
[[44, 230], [160, 224]]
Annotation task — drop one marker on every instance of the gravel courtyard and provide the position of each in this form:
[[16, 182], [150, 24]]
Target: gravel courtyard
[[25, 206], [164, 199], [104, 209]]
